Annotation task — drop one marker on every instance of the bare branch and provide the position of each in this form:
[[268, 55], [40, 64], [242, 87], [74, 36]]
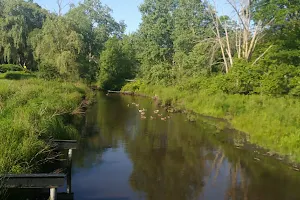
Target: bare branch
[[257, 59]]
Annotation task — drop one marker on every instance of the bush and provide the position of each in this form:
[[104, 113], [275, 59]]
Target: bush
[[48, 72], [10, 67], [134, 86], [242, 79], [277, 80]]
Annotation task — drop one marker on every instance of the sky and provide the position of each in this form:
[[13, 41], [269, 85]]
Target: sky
[[127, 10]]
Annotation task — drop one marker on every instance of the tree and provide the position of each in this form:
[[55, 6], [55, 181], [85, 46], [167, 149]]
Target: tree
[[283, 33], [116, 64], [156, 30], [95, 23], [56, 47], [17, 20], [191, 24], [246, 37]]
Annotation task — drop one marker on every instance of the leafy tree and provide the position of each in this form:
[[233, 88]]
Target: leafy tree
[[156, 30], [56, 47], [284, 31], [95, 23], [18, 19], [191, 24], [116, 64]]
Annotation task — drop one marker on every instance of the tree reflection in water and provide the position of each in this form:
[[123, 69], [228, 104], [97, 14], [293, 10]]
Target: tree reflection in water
[[175, 159]]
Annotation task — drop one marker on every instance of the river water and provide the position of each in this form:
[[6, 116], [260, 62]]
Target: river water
[[123, 156]]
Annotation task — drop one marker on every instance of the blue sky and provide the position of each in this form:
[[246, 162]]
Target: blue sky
[[127, 10]]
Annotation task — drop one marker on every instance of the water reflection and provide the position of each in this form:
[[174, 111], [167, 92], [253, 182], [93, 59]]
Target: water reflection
[[125, 157]]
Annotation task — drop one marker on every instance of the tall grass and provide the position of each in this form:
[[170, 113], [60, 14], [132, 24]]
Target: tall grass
[[31, 111], [271, 122]]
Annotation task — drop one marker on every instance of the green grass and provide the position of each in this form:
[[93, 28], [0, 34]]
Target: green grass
[[31, 112], [271, 122]]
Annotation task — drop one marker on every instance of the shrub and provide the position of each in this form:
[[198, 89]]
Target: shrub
[[277, 80], [242, 79], [10, 67]]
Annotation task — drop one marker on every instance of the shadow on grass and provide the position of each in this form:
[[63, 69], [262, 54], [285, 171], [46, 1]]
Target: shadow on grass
[[16, 75]]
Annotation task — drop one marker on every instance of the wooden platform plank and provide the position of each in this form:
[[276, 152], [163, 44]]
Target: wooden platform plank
[[33, 180]]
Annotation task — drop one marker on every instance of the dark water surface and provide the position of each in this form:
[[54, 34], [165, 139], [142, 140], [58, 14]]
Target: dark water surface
[[122, 157]]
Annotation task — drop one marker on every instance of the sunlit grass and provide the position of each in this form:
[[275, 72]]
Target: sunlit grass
[[31, 111]]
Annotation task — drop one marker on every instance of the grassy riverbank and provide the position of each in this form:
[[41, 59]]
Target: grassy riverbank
[[31, 112], [271, 122]]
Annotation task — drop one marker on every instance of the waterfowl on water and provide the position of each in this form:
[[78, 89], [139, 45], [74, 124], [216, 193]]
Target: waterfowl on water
[[156, 111], [159, 115], [168, 117], [143, 113], [152, 117], [143, 117], [143, 110], [163, 118]]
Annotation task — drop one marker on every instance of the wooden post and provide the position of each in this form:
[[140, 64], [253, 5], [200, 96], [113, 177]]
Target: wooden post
[[69, 175], [70, 156], [69, 182], [53, 194]]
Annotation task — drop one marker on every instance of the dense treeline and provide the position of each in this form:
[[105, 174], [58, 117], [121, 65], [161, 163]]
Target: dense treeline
[[185, 42], [60, 45], [182, 42]]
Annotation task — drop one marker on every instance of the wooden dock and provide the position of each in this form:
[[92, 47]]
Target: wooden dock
[[43, 181]]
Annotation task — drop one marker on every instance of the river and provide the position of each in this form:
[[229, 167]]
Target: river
[[124, 155]]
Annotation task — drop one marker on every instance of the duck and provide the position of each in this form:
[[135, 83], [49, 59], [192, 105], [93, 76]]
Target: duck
[[159, 115], [143, 110], [143, 113], [168, 117], [137, 105], [143, 117], [156, 111], [163, 118], [151, 117]]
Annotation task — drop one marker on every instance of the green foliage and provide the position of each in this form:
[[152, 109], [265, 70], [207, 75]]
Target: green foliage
[[116, 65], [242, 79], [10, 67], [31, 111], [57, 46], [156, 30], [94, 22], [283, 32], [66, 46], [18, 19], [277, 79], [191, 22]]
